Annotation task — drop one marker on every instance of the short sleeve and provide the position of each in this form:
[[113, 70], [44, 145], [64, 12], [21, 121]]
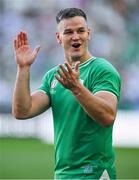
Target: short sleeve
[[45, 84], [107, 79]]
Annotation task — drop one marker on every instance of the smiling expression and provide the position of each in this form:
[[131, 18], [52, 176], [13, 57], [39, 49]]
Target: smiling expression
[[73, 35]]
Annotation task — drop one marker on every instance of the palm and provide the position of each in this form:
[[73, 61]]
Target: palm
[[68, 77], [23, 53]]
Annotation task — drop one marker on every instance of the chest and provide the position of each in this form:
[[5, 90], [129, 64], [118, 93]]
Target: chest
[[60, 93]]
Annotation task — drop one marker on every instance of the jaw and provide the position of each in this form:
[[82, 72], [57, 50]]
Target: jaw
[[81, 54], [75, 58], [76, 53]]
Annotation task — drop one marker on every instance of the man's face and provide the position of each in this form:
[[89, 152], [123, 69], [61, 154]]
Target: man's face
[[73, 35]]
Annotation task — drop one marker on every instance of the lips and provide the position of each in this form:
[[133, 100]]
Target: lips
[[76, 45]]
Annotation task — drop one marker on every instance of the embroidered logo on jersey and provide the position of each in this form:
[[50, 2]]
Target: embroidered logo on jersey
[[54, 83], [88, 169]]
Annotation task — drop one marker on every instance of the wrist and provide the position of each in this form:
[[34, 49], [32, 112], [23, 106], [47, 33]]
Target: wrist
[[22, 67], [76, 94], [76, 91]]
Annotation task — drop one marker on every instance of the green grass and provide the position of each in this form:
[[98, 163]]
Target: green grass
[[127, 163], [22, 158], [32, 159]]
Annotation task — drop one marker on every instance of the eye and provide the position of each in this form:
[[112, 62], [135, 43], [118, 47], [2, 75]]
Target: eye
[[81, 30], [67, 32]]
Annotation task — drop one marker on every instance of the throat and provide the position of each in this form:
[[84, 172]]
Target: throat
[[75, 58]]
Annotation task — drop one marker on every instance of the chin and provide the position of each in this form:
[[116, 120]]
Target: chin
[[75, 58]]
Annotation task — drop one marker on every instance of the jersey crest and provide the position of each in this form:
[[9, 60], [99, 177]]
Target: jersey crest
[[53, 84]]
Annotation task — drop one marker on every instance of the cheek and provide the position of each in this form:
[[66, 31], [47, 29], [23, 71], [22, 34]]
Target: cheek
[[66, 44], [86, 40]]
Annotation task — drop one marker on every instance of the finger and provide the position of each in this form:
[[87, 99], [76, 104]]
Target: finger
[[15, 44], [19, 40], [62, 75], [76, 68], [22, 38], [59, 79], [36, 50], [68, 67], [64, 70], [25, 38]]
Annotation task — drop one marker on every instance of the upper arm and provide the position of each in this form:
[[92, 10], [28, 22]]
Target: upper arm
[[107, 79], [40, 102], [109, 98]]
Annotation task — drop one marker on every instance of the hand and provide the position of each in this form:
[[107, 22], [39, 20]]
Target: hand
[[24, 55], [69, 77]]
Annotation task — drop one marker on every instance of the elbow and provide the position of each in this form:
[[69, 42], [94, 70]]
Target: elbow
[[18, 114], [108, 121]]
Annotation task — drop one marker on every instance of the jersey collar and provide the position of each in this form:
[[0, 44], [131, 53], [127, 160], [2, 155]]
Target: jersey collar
[[87, 61]]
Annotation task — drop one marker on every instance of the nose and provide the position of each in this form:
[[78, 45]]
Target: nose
[[75, 36]]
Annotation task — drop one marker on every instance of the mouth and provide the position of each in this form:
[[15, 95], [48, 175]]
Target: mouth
[[76, 45]]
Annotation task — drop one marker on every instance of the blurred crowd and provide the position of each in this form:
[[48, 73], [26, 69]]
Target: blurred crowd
[[115, 36]]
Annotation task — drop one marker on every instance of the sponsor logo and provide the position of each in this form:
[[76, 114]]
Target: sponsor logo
[[105, 175], [88, 169]]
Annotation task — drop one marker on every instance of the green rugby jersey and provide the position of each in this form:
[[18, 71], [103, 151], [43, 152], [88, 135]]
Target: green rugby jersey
[[83, 148]]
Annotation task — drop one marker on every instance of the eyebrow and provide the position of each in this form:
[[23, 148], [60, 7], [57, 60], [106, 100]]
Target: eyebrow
[[72, 29]]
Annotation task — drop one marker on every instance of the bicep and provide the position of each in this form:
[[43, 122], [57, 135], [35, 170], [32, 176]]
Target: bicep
[[109, 98], [40, 102]]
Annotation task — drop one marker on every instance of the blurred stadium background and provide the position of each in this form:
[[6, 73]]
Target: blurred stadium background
[[26, 147]]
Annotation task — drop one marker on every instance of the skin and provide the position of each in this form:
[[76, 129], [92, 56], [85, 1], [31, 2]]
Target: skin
[[26, 105], [101, 107], [71, 31]]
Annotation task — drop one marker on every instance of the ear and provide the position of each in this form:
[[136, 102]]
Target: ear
[[89, 33], [58, 38]]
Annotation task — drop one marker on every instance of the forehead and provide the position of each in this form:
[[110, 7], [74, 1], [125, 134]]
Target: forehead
[[72, 23]]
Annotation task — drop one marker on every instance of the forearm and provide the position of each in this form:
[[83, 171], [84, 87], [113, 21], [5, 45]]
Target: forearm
[[101, 107], [21, 95], [96, 107]]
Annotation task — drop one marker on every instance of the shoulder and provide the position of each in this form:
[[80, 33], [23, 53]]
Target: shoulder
[[52, 70], [103, 66], [101, 62], [106, 77], [50, 73]]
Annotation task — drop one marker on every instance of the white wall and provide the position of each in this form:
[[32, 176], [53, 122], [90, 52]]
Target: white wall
[[126, 128]]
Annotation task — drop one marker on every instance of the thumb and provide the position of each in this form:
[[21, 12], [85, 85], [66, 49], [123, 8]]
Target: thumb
[[36, 50], [77, 66]]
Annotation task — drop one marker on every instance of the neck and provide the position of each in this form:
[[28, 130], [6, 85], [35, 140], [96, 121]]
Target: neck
[[73, 60]]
